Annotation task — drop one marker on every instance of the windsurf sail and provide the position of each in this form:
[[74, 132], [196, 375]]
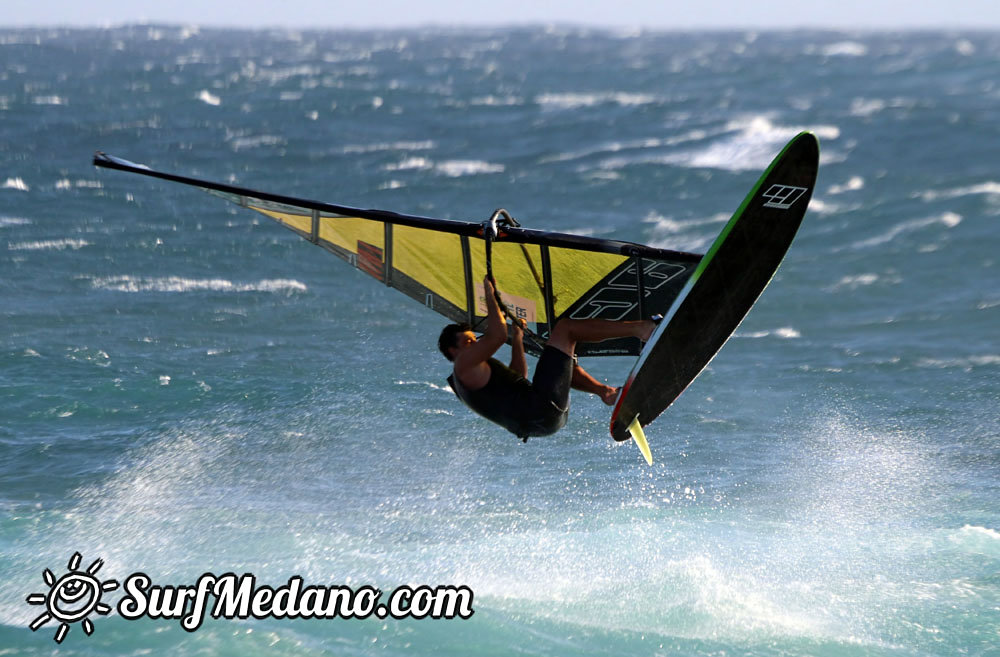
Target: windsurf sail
[[542, 276]]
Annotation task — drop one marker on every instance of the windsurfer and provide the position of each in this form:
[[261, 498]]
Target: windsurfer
[[502, 393]]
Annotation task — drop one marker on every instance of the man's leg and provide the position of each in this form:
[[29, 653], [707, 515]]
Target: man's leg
[[568, 332], [583, 381]]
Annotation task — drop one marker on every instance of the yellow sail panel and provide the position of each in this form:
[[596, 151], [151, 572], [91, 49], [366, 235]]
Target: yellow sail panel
[[575, 272], [517, 269], [297, 220], [346, 232], [433, 259]]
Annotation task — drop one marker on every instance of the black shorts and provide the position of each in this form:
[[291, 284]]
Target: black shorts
[[554, 377], [548, 407]]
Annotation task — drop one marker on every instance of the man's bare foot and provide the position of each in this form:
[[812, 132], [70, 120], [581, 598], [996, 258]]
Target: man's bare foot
[[609, 395], [648, 327]]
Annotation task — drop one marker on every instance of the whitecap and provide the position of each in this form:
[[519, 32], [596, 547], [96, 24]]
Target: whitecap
[[428, 384], [496, 101], [635, 144], [752, 144], [855, 281], [823, 207], [48, 100], [865, 107], [48, 245], [208, 98], [576, 100], [965, 47], [845, 49], [458, 168], [390, 146], [13, 221], [948, 220], [965, 363], [785, 333], [854, 184], [990, 188], [66, 183], [180, 284], [409, 164], [15, 183], [241, 143]]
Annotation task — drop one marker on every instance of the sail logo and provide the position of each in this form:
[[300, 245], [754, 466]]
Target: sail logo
[[783, 197], [615, 298]]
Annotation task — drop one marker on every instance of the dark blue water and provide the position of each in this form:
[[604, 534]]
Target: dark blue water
[[188, 388]]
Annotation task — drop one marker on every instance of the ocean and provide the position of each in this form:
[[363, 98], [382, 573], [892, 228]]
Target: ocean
[[187, 389]]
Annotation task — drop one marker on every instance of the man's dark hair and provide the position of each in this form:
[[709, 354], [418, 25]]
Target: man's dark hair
[[447, 338]]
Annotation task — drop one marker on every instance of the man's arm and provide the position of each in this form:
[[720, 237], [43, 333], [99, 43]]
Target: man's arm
[[517, 360], [470, 365]]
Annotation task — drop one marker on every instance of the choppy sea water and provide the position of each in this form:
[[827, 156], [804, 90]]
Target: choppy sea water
[[186, 388]]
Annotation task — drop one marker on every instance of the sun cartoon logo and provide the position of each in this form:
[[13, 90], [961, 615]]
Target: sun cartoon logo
[[72, 597]]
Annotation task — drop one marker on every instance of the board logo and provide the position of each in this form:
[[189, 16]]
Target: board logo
[[783, 197]]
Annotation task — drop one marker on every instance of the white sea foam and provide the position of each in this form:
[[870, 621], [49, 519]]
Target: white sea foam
[[179, 284], [751, 142], [451, 168], [865, 107], [496, 101], [754, 145], [390, 146], [409, 164], [684, 234], [965, 47], [631, 145], [991, 188], [48, 100], [785, 333], [13, 221], [432, 386], [854, 184], [977, 540], [457, 168], [817, 204], [845, 49], [576, 100], [855, 281], [66, 183], [48, 245], [966, 363], [15, 183], [948, 220], [209, 98], [242, 143], [276, 75]]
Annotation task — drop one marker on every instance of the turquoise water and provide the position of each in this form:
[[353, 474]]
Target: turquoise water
[[187, 388]]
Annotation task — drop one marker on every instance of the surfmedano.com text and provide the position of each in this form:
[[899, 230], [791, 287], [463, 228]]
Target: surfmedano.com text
[[238, 596]]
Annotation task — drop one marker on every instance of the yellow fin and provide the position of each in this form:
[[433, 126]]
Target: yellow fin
[[640, 439]]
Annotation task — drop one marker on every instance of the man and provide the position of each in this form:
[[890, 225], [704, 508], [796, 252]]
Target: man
[[502, 393]]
